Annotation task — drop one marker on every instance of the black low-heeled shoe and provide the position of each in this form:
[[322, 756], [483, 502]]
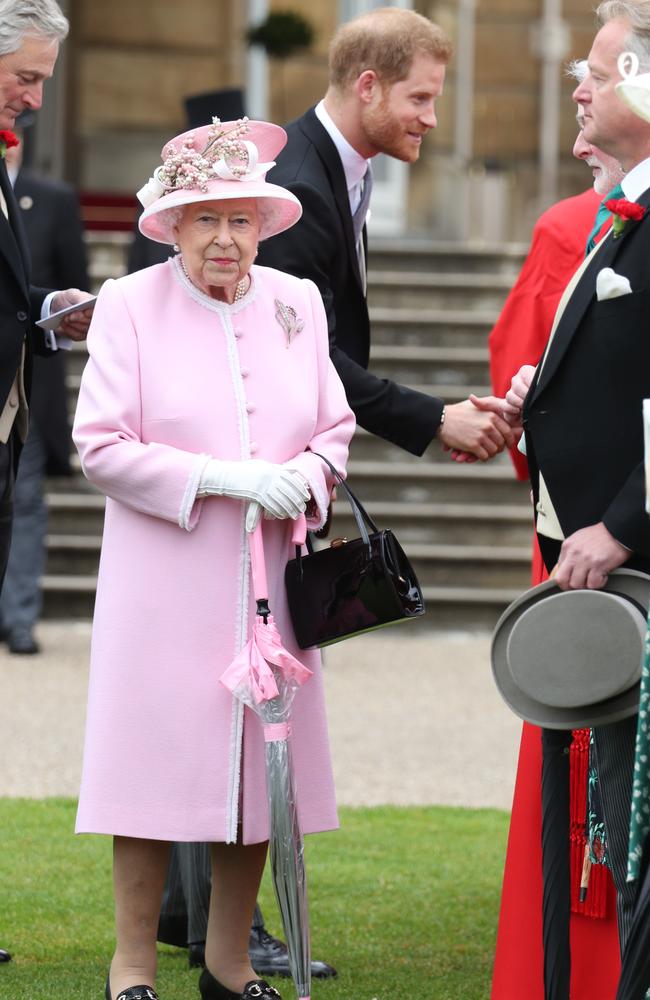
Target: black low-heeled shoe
[[133, 992], [256, 989]]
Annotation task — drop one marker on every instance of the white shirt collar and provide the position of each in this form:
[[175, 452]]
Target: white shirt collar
[[13, 174], [354, 165], [637, 180]]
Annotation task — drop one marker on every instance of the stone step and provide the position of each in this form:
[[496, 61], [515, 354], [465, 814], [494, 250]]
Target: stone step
[[472, 608], [482, 566], [73, 554], [440, 256], [432, 327], [415, 289], [442, 523], [68, 595], [75, 511], [408, 363], [436, 482]]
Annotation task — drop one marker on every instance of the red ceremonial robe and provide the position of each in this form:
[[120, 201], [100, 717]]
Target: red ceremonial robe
[[519, 337]]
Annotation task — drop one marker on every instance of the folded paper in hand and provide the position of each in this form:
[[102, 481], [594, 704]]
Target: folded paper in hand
[[610, 285], [53, 321]]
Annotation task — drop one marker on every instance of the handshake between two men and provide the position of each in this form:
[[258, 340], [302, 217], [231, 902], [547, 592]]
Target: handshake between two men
[[588, 555]]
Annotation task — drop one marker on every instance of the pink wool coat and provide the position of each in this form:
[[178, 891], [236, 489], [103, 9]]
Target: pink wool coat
[[174, 378]]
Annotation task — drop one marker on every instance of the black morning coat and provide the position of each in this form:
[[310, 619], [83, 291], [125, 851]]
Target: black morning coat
[[20, 302], [321, 247], [583, 413], [49, 211]]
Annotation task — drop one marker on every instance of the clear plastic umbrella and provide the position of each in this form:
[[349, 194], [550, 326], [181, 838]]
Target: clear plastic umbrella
[[265, 676]]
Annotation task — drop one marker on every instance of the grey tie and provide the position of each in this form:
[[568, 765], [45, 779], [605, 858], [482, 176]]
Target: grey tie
[[359, 217]]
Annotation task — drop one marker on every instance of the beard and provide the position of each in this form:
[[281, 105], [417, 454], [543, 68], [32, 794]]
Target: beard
[[386, 134]]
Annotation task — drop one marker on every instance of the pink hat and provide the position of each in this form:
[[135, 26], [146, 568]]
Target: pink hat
[[224, 160]]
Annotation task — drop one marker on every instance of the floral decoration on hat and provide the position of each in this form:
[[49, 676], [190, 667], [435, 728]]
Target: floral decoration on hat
[[624, 211], [287, 317], [227, 155], [8, 140]]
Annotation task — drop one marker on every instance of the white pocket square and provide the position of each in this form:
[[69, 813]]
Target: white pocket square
[[609, 285]]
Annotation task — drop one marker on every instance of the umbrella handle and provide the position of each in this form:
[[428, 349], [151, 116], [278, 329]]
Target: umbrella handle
[[299, 530], [258, 563]]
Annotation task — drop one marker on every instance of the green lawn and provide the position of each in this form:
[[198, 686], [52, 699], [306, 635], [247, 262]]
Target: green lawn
[[403, 901]]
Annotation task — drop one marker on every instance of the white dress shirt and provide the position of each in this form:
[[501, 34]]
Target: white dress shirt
[[354, 165]]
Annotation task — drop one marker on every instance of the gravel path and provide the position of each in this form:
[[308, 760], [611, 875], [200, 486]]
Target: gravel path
[[414, 719]]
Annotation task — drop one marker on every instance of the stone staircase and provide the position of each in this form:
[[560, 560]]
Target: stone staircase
[[465, 527]]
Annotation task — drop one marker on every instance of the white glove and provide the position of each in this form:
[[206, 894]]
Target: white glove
[[282, 492]]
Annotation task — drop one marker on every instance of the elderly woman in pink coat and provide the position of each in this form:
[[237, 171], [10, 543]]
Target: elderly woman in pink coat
[[207, 392]]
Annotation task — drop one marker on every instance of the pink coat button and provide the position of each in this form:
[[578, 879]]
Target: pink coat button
[[254, 447]]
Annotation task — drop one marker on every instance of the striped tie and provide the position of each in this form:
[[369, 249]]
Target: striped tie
[[601, 217]]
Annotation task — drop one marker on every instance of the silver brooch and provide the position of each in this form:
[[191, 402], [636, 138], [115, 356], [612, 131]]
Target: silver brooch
[[288, 320]]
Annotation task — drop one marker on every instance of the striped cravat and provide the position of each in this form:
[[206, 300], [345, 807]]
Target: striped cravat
[[359, 221], [601, 217]]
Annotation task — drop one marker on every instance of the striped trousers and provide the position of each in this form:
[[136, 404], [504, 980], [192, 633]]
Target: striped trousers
[[186, 899]]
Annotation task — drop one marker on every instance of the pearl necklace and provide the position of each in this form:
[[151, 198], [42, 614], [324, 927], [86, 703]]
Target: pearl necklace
[[240, 291], [242, 288]]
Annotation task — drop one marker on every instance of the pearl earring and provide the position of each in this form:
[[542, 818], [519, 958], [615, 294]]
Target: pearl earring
[[176, 248]]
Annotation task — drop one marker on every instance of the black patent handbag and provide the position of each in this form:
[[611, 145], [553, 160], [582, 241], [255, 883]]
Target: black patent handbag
[[353, 586]]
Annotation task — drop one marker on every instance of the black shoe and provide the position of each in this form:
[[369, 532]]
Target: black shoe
[[4, 955], [133, 993], [257, 989], [21, 641], [196, 955], [269, 957]]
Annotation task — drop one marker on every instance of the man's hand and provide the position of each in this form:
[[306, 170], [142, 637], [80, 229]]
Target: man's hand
[[518, 391], [494, 404], [74, 325], [587, 557], [475, 430], [487, 404]]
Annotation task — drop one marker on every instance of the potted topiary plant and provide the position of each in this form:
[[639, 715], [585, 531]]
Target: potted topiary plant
[[281, 35]]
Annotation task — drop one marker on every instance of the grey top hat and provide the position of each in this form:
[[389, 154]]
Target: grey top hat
[[569, 659]]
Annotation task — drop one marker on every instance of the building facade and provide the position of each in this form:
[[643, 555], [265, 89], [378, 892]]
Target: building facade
[[500, 154]]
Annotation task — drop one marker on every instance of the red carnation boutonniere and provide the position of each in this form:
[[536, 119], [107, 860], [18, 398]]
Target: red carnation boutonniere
[[624, 211], [7, 141]]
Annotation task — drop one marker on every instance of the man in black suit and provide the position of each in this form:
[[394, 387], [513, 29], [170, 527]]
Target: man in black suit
[[582, 414], [51, 218], [387, 68], [29, 43]]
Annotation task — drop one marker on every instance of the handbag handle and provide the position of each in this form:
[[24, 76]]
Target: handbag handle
[[361, 516]]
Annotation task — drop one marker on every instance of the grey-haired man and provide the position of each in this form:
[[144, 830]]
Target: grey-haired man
[[30, 34]]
